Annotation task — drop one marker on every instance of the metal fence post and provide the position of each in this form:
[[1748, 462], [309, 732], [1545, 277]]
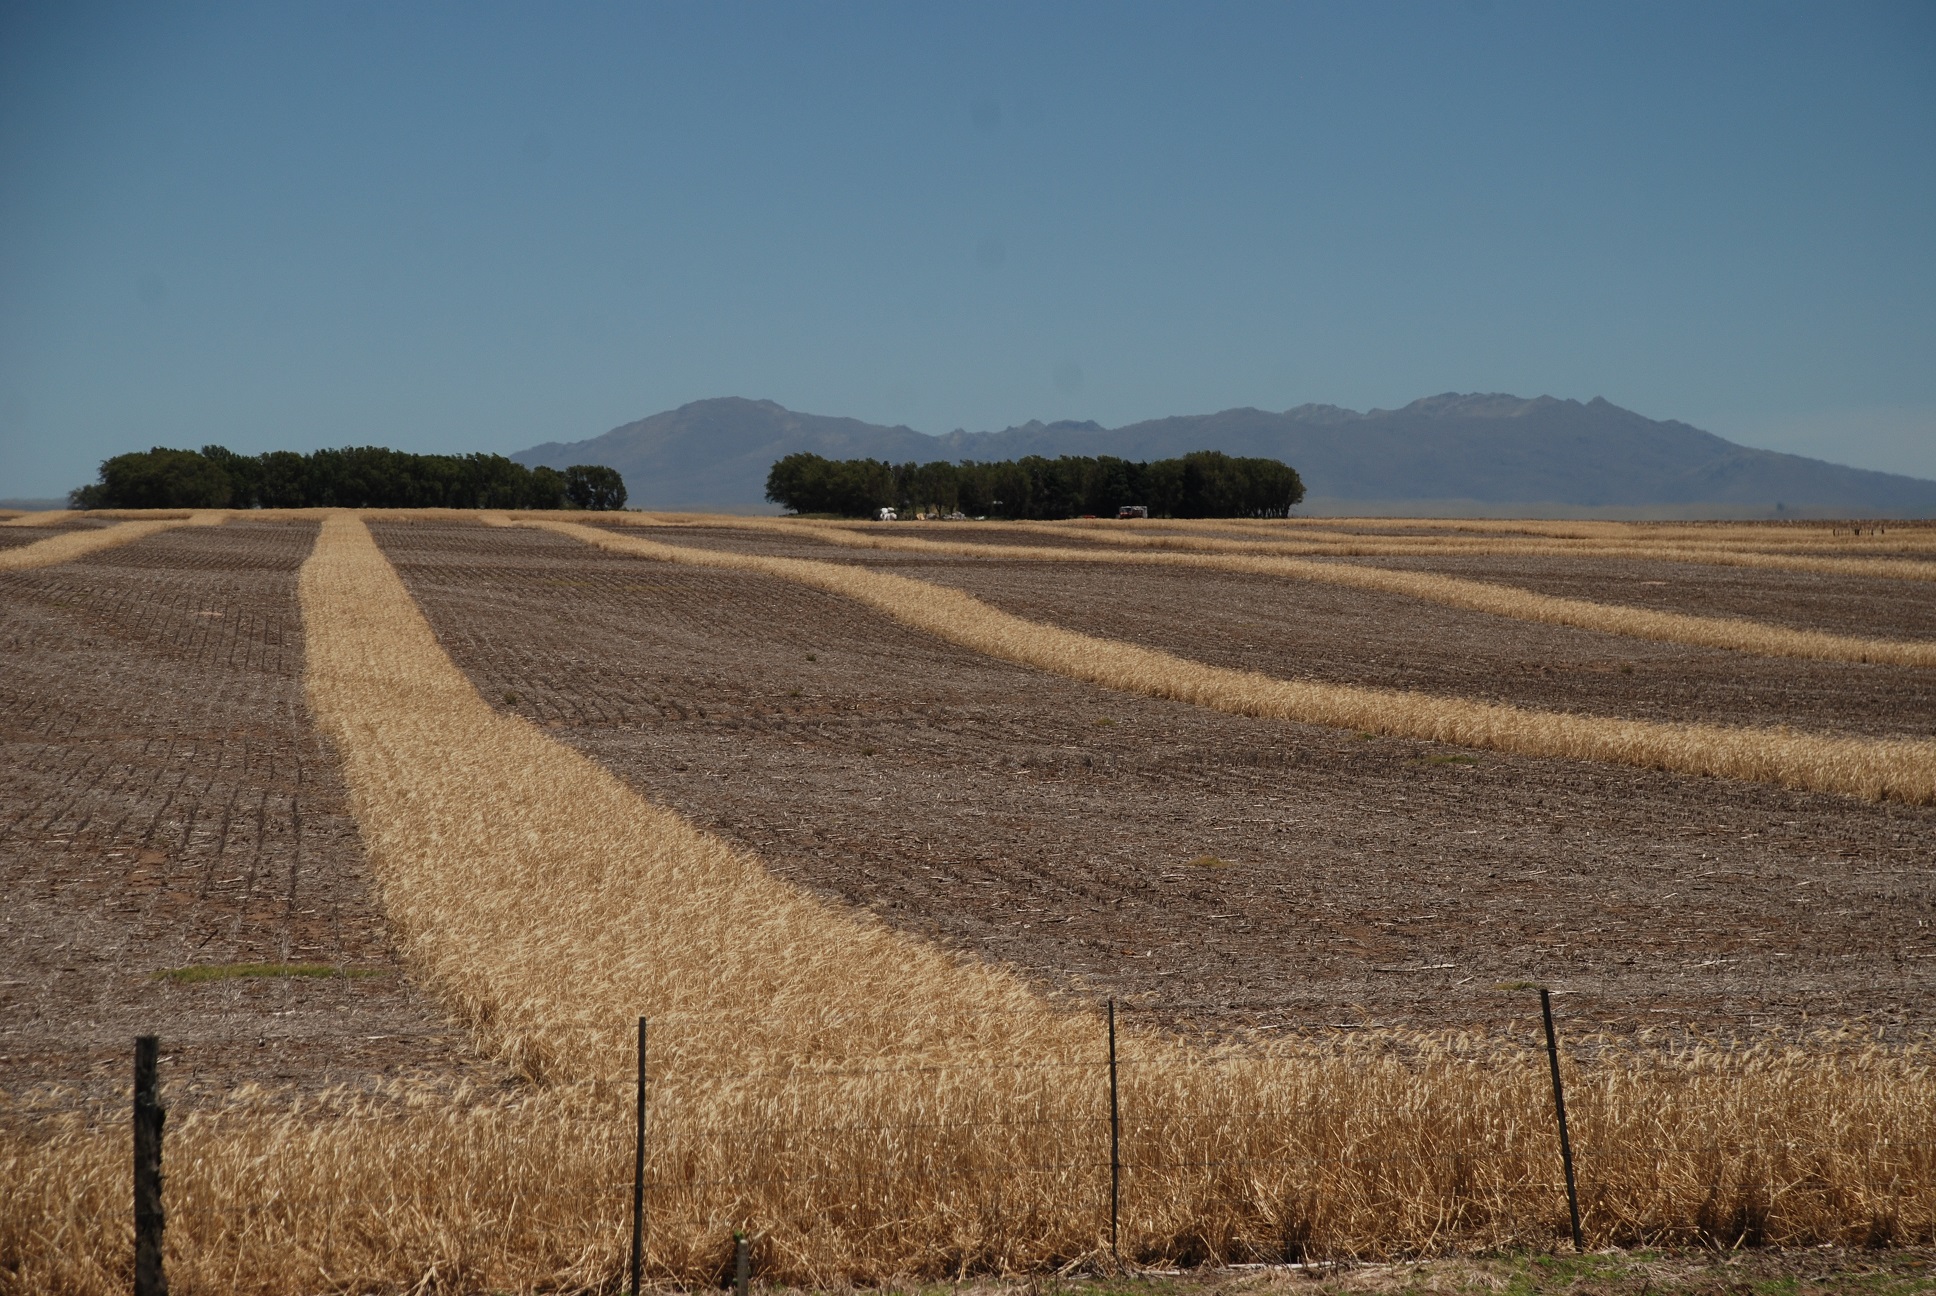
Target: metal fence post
[[638, 1175], [1559, 1109], [149, 1219]]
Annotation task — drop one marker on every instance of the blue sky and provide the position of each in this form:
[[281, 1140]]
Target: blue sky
[[480, 226]]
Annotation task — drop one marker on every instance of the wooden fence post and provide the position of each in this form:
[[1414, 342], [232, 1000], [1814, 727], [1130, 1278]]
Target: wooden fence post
[[1115, 1138], [150, 1279], [1559, 1109]]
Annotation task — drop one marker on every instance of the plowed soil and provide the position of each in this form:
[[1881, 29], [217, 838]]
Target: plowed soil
[[165, 803], [1221, 872]]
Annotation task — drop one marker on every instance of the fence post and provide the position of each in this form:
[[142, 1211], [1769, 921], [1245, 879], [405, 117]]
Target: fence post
[[742, 1263], [149, 1277], [638, 1175], [1115, 1137], [1559, 1109]]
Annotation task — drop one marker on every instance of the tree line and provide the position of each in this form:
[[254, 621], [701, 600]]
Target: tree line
[[1203, 484], [352, 477]]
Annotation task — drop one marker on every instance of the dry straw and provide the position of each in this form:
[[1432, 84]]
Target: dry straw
[[45, 517], [1912, 537], [872, 1108], [1736, 634], [78, 544], [1342, 544], [1873, 768]]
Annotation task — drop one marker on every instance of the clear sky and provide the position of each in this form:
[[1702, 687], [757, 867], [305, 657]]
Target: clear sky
[[480, 226]]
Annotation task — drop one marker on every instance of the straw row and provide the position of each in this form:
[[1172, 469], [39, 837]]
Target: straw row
[[1735, 634], [78, 544], [1872, 768]]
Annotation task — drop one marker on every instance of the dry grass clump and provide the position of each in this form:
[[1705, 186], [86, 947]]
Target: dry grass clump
[[78, 544], [1736, 634], [1873, 768]]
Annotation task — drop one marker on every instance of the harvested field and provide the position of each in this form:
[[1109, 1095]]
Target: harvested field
[[21, 532], [1600, 614], [1912, 566], [1875, 768], [69, 543], [1627, 621], [1310, 631], [167, 805], [987, 781], [870, 883], [1803, 600]]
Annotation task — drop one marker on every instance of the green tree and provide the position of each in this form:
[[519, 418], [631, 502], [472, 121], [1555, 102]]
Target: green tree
[[594, 486], [158, 478]]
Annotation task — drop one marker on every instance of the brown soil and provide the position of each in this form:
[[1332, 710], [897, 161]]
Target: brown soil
[[167, 804], [1064, 828]]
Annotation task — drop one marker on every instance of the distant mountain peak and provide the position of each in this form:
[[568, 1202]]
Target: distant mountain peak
[[1479, 405], [1452, 451]]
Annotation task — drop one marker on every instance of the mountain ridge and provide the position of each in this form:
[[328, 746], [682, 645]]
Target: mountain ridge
[[1486, 449]]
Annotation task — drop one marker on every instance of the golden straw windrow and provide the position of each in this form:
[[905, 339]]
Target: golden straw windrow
[[1736, 634], [45, 517], [1345, 545], [1342, 544], [1909, 538], [78, 544], [1876, 769], [467, 812]]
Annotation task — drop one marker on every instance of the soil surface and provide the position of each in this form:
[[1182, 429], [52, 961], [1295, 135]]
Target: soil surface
[[1219, 872], [165, 803]]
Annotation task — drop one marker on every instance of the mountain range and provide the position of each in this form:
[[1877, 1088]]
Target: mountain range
[[1451, 454]]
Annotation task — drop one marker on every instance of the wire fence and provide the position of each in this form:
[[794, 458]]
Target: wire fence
[[959, 1155]]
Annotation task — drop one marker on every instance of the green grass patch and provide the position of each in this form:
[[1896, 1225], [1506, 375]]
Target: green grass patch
[[197, 973], [1209, 862]]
